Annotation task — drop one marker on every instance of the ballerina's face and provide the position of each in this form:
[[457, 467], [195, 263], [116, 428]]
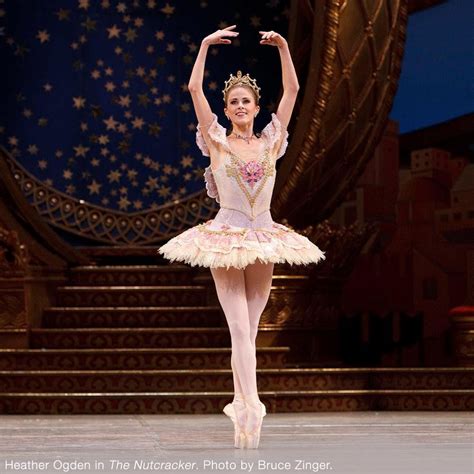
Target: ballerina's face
[[241, 107]]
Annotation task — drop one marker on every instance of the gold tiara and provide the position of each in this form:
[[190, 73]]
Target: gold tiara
[[241, 80]]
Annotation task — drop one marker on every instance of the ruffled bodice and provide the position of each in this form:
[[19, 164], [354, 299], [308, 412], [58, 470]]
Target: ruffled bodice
[[238, 182]]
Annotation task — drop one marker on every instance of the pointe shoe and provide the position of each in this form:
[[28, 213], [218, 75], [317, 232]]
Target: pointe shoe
[[236, 411], [252, 434]]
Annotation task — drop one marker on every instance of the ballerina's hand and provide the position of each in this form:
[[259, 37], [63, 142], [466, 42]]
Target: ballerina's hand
[[218, 37], [272, 38]]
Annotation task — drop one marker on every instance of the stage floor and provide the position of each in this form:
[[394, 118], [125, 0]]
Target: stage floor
[[343, 442]]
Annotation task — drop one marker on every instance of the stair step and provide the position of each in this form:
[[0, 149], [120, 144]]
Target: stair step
[[148, 316], [132, 275], [214, 402], [193, 380], [173, 295], [130, 337], [136, 358]]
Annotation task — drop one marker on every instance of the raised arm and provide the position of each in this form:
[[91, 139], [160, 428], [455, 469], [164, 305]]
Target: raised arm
[[201, 105], [289, 77]]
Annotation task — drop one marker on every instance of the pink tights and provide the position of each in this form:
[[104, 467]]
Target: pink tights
[[243, 295]]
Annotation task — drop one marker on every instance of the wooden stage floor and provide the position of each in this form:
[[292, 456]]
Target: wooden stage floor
[[342, 442]]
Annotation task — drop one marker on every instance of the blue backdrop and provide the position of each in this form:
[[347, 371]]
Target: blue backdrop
[[94, 97]]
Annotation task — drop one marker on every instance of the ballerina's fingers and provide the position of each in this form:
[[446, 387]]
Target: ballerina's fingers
[[268, 36], [228, 33]]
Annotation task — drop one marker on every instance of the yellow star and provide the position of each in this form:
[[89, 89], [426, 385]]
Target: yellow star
[[43, 36], [121, 7], [138, 123], [143, 99], [81, 150], [63, 14], [111, 123], [131, 35], [114, 32], [33, 149], [186, 160], [84, 4], [132, 174], [89, 24], [79, 102], [124, 101], [114, 176], [124, 203], [67, 174], [164, 191], [122, 128], [94, 187], [168, 9], [154, 129], [96, 110], [124, 146]]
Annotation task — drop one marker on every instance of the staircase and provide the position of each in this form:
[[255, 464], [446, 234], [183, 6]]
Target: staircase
[[149, 339]]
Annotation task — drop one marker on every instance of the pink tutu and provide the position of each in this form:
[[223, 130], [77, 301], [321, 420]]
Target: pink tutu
[[243, 229], [222, 245]]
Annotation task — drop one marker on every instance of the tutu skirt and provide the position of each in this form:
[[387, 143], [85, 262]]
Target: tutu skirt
[[221, 242]]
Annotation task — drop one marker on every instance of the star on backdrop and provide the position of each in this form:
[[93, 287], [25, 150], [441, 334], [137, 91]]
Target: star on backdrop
[[96, 98]]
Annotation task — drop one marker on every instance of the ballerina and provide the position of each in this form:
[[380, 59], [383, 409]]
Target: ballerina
[[242, 243]]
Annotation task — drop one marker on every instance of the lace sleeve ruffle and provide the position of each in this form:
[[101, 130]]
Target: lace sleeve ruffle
[[216, 132], [274, 133], [211, 186]]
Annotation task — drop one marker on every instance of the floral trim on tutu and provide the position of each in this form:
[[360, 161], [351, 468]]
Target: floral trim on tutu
[[222, 245]]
